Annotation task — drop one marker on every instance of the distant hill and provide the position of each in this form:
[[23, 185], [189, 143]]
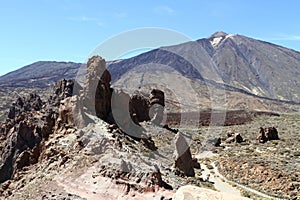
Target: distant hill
[[40, 74]]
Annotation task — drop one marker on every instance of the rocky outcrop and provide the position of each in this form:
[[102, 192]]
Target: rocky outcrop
[[63, 88], [267, 134], [96, 93], [30, 122], [115, 106], [183, 156], [32, 103], [122, 114], [19, 149]]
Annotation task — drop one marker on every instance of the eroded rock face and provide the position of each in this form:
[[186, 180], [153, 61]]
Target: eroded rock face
[[183, 156], [19, 149], [30, 122], [63, 88], [32, 103], [97, 98]]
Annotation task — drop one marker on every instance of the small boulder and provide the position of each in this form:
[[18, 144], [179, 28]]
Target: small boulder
[[236, 137]]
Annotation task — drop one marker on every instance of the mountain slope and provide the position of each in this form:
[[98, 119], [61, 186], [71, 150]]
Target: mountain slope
[[40, 74], [258, 67]]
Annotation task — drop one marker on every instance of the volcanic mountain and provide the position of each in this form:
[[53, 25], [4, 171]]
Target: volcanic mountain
[[223, 71]]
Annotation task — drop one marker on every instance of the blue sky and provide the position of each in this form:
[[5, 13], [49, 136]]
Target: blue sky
[[69, 30]]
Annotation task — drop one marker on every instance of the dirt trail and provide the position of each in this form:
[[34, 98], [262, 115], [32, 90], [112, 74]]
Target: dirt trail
[[221, 183]]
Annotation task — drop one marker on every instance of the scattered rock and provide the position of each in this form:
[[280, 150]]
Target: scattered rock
[[234, 137]]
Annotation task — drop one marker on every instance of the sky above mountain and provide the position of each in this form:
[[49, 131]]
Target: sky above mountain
[[69, 30]]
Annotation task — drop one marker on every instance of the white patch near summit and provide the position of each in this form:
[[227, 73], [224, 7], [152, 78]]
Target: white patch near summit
[[217, 40]]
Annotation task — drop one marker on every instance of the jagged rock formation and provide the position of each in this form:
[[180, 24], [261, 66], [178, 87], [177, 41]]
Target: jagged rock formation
[[99, 134], [30, 123], [63, 89]]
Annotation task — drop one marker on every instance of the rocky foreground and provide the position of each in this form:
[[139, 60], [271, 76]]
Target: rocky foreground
[[83, 142]]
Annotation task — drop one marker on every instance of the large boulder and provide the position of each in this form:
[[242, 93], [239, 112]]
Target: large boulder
[[262, 136], [183, 157]]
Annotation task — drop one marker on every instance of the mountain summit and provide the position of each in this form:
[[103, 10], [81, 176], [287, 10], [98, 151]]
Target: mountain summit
[[218, 34], [218, 37]]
